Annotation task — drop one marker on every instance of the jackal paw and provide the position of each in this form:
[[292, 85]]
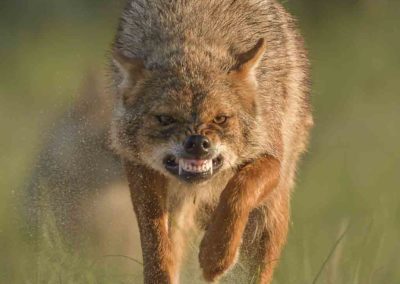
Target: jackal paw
[[216, 255]]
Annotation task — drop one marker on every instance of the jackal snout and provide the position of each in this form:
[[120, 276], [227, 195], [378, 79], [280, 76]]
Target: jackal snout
[[198, 159]]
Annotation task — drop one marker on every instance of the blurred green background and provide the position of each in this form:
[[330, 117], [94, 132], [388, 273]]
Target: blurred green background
[[346, 207]]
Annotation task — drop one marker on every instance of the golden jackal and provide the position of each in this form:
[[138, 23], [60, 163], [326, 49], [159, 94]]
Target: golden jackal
[[211, 115]]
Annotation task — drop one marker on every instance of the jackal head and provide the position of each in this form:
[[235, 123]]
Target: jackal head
[[183, 121]]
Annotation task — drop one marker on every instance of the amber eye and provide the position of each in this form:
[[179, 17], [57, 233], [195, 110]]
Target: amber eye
[[165, 120], [220, 119]]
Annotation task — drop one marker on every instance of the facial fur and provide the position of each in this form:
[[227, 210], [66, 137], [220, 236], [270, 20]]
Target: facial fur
[[216, 105]]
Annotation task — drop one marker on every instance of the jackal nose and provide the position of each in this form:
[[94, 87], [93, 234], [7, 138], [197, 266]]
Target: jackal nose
[[197, 145]]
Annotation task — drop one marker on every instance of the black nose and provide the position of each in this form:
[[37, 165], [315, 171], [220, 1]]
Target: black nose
[[197, 145]]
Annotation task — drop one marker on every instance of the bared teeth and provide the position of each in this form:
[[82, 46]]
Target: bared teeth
[[195, 166]]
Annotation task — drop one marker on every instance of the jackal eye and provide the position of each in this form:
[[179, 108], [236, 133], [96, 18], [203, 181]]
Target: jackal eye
[[165, 120], [220, 119]]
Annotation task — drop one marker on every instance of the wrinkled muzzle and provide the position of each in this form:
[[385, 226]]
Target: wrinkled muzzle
[[196, 160]]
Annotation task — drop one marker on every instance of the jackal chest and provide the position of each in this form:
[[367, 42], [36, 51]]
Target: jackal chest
[[191, 206]]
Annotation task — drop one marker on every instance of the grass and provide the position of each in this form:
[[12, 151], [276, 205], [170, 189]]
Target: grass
[[346, 207]]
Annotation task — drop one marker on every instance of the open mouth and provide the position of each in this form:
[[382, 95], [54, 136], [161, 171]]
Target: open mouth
[[192, 169]]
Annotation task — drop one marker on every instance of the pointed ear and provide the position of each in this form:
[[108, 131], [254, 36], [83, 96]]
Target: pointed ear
[[247, 62], [130, 70]]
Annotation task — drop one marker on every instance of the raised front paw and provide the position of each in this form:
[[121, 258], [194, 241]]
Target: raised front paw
[[218, 253]]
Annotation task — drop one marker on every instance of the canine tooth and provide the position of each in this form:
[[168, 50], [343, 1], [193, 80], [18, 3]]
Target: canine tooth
[[211, 166], [180, 166]]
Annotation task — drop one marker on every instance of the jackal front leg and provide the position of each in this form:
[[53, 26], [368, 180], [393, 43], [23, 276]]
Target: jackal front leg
[[244, 192], [148, 194]]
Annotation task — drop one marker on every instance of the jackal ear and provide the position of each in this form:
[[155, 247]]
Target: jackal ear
[[247, 62], [130, 70]]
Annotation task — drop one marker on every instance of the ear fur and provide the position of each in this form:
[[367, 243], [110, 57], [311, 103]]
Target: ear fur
[[131, 69], [248, 61]]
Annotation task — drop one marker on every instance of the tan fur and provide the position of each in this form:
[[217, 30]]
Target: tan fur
[[193, 62]]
